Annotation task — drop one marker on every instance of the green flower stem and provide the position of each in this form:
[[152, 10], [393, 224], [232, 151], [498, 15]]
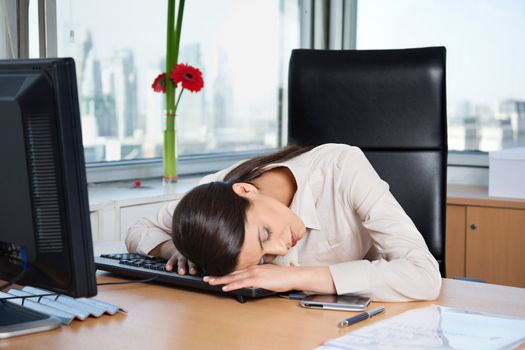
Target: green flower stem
[[178, 31], [170, 155], [172, 55], [170, 58], [178, 99]]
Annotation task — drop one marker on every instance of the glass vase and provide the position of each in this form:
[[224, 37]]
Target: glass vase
[[169, 155]]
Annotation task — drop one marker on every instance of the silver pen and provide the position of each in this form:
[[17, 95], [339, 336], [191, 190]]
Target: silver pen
[[360, 317]]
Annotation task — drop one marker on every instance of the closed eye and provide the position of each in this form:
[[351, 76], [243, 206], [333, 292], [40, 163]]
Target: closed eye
[[264, 236], [268, 234]]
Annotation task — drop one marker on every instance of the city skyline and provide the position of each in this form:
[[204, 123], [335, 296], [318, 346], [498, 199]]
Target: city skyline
[[114, 128], [481, 127]]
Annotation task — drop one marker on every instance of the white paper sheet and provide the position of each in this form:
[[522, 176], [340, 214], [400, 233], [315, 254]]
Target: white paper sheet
[[436, 327]]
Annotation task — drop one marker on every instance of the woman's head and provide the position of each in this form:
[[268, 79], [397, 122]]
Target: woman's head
[[222, 227], [208, 226], [270, 229]]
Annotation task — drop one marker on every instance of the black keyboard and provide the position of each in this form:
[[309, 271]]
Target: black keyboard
[[140, 266]]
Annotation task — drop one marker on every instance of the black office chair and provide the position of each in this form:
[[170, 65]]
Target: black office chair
[[391, 104]]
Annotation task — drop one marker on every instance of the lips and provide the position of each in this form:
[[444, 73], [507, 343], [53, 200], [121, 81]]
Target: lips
[[294, 239]]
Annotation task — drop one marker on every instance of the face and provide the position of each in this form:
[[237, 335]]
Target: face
[[271, 228]]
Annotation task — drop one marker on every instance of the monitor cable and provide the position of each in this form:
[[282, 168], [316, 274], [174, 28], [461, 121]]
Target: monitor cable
[[14, 280], [23, 260]]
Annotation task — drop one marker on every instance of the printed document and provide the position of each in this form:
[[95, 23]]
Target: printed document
[[435, 327]]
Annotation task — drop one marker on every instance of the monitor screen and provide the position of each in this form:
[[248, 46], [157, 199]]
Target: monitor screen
[[45, 233]]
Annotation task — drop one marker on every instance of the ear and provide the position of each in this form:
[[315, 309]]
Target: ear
[[244, 189]]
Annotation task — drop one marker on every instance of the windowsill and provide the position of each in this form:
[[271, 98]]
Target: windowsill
[[463, 169], [153, 190], [102, 195], [468, 159]]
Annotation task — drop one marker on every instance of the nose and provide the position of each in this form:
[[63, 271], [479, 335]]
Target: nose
[[275, 247]]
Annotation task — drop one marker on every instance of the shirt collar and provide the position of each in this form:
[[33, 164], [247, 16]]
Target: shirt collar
[[303, 203]]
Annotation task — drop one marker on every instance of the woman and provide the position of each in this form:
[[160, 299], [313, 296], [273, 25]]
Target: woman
[[307, 218]]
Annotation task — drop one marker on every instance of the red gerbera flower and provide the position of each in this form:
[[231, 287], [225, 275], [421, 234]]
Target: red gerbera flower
[[190, 77], [159, 84]]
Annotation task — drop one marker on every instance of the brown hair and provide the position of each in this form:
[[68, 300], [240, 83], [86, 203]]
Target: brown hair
[[208, 223], [253, 168]]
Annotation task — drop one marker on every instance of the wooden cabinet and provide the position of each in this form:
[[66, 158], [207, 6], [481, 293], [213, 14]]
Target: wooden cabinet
[[485, 237], [455, 241], [495, 239]]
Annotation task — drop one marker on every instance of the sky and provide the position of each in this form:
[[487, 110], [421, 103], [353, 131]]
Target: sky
[[484, 41]]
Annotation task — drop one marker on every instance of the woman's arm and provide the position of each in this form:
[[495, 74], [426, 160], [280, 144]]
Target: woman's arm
[[404, 268], [148, 233], [152, 237]]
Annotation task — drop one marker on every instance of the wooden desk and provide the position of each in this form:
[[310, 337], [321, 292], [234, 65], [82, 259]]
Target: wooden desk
[[163, 317]]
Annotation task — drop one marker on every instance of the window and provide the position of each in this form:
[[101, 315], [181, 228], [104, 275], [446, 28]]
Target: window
[[485, 71], [8, 29], [242, 48]]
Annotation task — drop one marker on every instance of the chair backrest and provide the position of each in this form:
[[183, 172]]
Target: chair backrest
[[391, 104]]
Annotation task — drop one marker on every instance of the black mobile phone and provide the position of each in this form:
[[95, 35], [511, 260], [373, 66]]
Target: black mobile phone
[[347, 302]]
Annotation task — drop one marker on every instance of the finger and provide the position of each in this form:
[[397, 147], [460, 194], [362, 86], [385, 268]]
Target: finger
[[214, 280], [230, 282], [181, 265], [230, 278], [234, 273], [170, 263], [193, 268], [244, 283]]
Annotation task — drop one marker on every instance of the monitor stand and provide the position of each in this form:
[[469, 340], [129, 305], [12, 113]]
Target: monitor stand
[[18, 320]]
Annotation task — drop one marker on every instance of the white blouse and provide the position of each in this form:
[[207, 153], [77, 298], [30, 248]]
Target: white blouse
[[354, 225]]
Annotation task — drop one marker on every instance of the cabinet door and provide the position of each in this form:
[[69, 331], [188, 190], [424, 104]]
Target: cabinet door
[[455, 241], [495, 244]]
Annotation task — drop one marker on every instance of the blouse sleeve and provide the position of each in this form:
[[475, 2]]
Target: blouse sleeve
[[404, 268], [149, 232]]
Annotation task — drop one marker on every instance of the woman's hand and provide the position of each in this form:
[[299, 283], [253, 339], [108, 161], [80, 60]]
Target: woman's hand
[[277, 278], [168, 251], [267, 276], [182, 263]]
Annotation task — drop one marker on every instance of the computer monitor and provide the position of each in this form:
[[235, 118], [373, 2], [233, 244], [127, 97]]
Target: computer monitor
[[44, 213]]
